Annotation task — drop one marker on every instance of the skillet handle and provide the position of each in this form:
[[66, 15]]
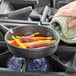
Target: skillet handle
[[5, 28]]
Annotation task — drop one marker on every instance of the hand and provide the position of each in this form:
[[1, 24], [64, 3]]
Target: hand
[[68, 10]]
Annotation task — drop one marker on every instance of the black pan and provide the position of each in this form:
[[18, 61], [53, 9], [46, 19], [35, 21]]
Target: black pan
[[27, 30]]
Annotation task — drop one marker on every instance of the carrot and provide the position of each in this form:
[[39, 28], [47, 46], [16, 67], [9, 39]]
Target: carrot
[[28, 39], [41, 43], [18, 37], [37, 45], [13, 42], [31, 39], [18, 42], [42, 38], [32, 35]]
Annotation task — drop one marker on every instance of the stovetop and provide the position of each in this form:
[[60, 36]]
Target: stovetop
[[62, 63]]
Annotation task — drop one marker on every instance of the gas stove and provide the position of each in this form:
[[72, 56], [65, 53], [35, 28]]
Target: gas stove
[[62, 63]]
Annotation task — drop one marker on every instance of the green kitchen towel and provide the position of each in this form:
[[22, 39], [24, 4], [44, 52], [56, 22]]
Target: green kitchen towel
[[67, 35]]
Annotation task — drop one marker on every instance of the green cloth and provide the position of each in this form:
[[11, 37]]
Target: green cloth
[[67, 35]]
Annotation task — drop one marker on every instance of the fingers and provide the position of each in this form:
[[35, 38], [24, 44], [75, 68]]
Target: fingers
[[68, 6], [64, 7], [72, 23], [67, 12], [62, 13], [60, 10]]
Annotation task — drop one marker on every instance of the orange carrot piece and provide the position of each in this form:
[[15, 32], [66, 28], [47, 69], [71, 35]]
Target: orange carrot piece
[[18, 42], [13, 42], [42, 38]]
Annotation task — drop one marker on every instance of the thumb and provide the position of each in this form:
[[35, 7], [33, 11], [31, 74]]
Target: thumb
[[72, 23]]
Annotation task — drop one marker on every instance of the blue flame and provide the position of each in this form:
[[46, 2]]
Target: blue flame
[[33, 64], [37, 64], [15, 63]]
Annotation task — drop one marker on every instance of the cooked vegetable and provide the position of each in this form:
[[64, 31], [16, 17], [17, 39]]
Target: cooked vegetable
[[32, 41], [34, 34], [13, 42], [18, 37], [18, 42], [42, 38], [42, 43], [27, 39]]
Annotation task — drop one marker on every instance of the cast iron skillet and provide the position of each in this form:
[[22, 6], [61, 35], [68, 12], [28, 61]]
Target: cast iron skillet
[[27, 30]]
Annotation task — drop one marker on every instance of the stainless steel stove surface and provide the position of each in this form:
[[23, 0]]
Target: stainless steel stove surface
[[62, 63]]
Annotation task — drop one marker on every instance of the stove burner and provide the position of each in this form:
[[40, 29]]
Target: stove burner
[[15, 63], [33, 64], [37, 64]]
